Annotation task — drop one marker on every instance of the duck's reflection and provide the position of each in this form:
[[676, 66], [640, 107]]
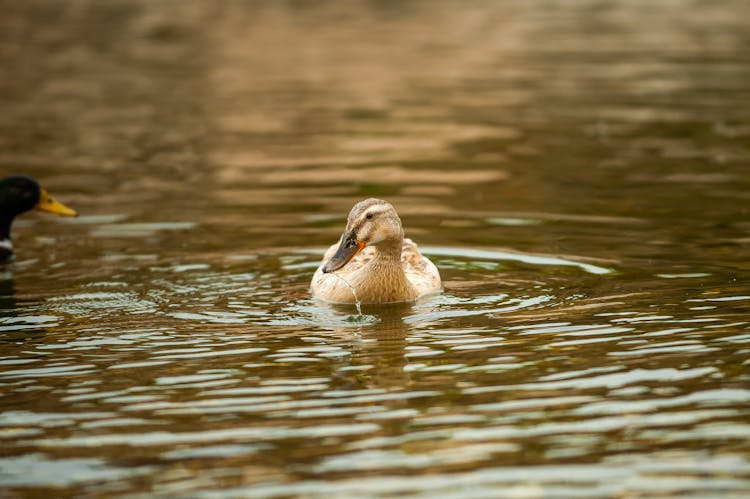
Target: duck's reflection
[[11, 312], [383, 334], [384, 346], [7, 293]]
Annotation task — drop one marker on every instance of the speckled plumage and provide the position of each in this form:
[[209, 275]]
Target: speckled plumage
[[388, 269]]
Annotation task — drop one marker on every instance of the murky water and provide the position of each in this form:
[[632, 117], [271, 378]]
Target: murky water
[[577, 170]]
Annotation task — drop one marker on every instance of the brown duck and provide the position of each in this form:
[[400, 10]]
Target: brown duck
[[375, 259]]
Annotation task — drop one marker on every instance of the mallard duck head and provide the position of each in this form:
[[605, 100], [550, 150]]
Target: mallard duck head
[[19, 194], [372, 222]]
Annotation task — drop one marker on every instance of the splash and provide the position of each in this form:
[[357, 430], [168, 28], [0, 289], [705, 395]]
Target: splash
[[354, 293]]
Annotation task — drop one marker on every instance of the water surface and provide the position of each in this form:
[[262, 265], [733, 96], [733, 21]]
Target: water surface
[[577, 170]]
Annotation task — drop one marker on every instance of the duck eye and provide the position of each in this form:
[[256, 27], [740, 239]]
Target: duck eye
[[368, 216]]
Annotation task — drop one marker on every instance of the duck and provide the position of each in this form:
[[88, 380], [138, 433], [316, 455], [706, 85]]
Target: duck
[[373, 263], [19, 194]]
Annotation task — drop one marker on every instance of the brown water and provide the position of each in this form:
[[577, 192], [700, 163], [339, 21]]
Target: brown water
[[578, 170]]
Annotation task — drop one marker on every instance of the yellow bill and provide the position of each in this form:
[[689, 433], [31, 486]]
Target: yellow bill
[[50, 204]]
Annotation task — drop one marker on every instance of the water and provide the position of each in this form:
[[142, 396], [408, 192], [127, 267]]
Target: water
[[577, 170], [357, 303]]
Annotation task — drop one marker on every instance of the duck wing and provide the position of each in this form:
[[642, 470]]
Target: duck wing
[[419, 270]]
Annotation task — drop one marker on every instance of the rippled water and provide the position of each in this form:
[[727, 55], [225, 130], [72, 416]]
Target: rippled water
[[577, 170]]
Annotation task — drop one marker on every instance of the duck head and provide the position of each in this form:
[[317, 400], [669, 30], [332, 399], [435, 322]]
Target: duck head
[[19, 194], [372, 222]]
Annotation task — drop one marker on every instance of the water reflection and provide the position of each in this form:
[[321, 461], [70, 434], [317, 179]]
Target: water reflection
[[17, 324], [7, 300]]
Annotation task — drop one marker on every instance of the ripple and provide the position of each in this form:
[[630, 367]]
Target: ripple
[[394, 459], [27, 322], [138, 230], [214, 451], [568, 480], [498, 255], [36, 469], [98, 304], [591, 425], [170, 438], [44, 372], [615, 380]]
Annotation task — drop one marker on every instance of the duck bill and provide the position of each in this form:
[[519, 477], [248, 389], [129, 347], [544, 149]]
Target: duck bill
[[51, 205], [347, 250]]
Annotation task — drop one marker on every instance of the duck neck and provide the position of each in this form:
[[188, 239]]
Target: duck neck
[[6, 250], [387, 265], [382, 279], [389, 253], [6, 247], [6, 220]]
